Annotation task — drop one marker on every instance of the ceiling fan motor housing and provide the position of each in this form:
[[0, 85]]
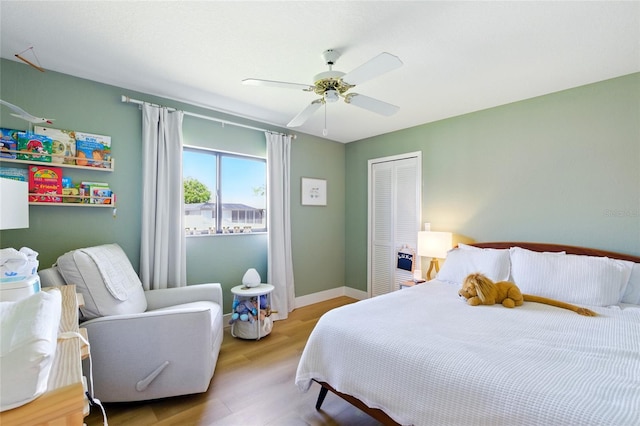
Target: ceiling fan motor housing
[[330, 80]]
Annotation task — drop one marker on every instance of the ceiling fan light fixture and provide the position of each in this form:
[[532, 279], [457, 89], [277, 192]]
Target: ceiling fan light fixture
[[331, 95]]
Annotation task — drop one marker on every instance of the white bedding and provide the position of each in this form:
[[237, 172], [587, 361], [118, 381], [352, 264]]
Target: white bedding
[[427, 358]]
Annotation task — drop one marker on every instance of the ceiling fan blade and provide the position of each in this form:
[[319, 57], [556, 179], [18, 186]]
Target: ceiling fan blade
[[304, 115], [371, 104], [379, 65], [272, 83]]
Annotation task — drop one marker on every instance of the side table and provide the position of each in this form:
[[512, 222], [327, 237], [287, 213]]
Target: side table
[[240, 293]]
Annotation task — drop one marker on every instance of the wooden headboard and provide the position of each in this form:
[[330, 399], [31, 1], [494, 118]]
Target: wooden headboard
[[558, 247]]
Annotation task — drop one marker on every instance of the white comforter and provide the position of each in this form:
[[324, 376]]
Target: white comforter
[[427, 358]]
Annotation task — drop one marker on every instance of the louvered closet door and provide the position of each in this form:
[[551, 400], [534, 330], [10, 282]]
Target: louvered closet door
[[382, 228], [394, 211]]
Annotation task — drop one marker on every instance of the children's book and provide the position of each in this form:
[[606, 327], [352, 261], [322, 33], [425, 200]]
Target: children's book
[[93, 150], [33, 147], [87, 191], [63, 144], [8, 142], [14, 173], [45, 184], [100, 195]]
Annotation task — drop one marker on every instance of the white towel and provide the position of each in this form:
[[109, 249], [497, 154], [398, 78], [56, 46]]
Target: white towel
[[112, 268], [28, 339]]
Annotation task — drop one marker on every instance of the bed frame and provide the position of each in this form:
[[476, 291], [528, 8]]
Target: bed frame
[[380, 415]]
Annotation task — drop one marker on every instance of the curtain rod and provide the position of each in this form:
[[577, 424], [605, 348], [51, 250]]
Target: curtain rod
[[128, 100]]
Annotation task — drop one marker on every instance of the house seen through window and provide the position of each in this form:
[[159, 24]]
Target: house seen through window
[[224, 193]]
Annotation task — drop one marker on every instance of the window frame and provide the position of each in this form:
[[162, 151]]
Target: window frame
[[218, 156]]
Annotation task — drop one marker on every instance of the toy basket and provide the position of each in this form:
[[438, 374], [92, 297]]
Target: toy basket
[[247, 330]]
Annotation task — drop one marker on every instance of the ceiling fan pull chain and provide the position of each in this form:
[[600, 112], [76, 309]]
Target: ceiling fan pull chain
[[325, 132]]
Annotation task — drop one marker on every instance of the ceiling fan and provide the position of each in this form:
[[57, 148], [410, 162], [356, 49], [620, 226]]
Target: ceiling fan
[[332, 85]]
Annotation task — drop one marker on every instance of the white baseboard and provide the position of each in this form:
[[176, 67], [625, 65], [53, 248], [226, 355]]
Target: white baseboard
[[318, 297], [321, 296], [356, 294]]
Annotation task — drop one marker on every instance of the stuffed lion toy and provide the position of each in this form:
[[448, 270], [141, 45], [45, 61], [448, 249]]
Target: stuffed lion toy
[[477, 289]]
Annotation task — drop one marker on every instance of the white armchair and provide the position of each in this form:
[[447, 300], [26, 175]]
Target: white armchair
[[144, 344]]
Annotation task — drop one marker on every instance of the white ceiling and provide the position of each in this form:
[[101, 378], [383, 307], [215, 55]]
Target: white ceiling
[[458, 57]]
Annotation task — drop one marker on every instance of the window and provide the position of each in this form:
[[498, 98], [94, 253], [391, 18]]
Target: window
[[224, 192]]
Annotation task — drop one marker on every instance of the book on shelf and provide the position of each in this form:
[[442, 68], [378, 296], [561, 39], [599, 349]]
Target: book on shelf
[[45, 184], [63, 144], [8, 142], [100, 195], [95, 192], [15, 173], [71, 195], [33, 147], [93, 150]]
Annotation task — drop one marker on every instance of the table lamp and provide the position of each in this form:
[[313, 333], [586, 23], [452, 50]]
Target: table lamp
[[14, 204], [434, 245]]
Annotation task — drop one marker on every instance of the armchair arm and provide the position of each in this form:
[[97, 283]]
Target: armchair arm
[[166, 297]]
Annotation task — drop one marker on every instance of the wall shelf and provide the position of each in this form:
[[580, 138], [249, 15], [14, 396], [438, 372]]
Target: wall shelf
[[52, 164], [34, 203], [111, 203]]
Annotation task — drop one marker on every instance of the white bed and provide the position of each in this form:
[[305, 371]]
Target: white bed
[[424, 357]]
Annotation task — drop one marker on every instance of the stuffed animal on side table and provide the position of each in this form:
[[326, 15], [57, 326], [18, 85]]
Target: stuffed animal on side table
[[243, 310], [264, 309], [477, 289]]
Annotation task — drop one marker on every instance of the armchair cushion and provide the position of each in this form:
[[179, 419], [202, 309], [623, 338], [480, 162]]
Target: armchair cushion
[[106, 279]]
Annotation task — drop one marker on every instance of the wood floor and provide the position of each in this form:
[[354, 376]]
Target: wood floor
[[253, 385]]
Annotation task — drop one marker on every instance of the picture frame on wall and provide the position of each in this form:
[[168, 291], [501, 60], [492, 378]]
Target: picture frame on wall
[[314, 192]]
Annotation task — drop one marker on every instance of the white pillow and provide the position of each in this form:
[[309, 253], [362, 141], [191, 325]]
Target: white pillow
[[494, 263], [586, 280], [632, 292], [468, 247]]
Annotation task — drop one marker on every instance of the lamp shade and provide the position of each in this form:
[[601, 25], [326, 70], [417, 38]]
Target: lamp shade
[[434, 244], [14, 204]]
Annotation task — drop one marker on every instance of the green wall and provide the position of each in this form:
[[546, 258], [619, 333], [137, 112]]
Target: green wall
[[318, 232], [78, 104], [561, 168]]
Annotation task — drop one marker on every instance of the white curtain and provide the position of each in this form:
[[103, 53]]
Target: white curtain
[[280, 263], [162, 251]]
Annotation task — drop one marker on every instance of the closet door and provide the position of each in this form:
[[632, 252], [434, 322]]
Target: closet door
[[394, 218]]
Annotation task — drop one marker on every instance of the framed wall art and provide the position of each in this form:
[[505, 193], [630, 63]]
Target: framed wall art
[[314, 192]]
